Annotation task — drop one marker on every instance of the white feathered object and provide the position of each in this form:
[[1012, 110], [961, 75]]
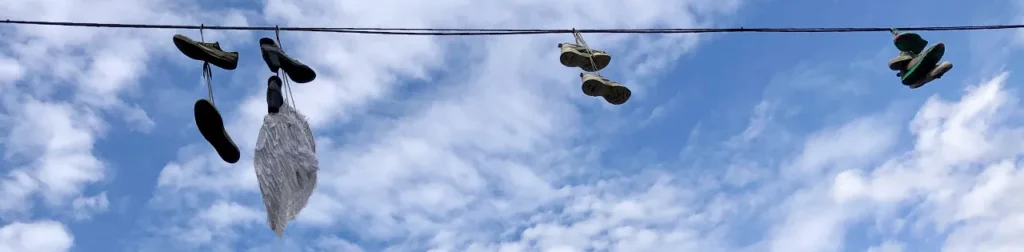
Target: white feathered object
[[286, 165]]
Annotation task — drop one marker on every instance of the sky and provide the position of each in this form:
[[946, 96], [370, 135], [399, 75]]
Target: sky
[[730, 142]]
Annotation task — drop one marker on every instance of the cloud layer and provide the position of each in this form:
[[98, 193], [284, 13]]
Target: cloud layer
[[476, 144]]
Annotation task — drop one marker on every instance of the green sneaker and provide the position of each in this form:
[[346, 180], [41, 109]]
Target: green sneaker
[[922, 65], [207, 52]]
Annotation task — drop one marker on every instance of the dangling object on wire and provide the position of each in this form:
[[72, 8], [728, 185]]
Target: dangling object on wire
[[498, 32]]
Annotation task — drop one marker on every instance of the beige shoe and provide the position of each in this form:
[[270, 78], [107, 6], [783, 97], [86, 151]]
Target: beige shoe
[[613, 92], [574, 55]]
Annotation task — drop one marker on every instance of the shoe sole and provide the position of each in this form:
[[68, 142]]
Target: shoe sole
[[936, 73], [574, 58], [931, 57], [616, 95], [211, 126], [193, 50], [296, 71]]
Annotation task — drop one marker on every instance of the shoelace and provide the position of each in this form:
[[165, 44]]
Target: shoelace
[[207, 71], [208, 77]]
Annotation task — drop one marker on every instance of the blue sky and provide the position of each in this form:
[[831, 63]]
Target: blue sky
[[731, 142]]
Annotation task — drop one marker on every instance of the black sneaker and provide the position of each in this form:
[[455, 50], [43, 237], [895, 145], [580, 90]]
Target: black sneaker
[[208, 52], [211, 125], [274, 97], [277, 59]]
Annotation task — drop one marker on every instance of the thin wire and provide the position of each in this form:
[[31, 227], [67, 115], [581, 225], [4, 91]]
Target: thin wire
[[498, 32], [281, 72]]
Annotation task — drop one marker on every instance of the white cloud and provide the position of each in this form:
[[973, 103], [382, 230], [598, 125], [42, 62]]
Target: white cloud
[[39, 236], [85, 207], [58, 138], [331, 243], [888, 246], [484, 142], [57, 85], [960, 177], [138, 119], [490, 153]]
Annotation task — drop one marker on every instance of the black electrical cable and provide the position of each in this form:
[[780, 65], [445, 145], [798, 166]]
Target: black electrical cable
[[496, 32]]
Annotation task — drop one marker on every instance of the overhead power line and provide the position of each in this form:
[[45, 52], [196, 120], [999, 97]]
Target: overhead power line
[[495, 32]]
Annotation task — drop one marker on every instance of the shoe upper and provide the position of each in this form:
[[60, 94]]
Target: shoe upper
[[581, 49], [214, 45]]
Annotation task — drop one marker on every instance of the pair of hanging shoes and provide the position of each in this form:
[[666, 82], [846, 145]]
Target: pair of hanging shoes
[[208, 118], [273, 56], [916, 70], [574, 55], [591, 60], [612, 92], [276, 60]]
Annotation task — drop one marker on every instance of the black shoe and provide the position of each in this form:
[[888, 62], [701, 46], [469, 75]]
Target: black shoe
[[277, 59], [208, 52], [211, 125], [274, 97]]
